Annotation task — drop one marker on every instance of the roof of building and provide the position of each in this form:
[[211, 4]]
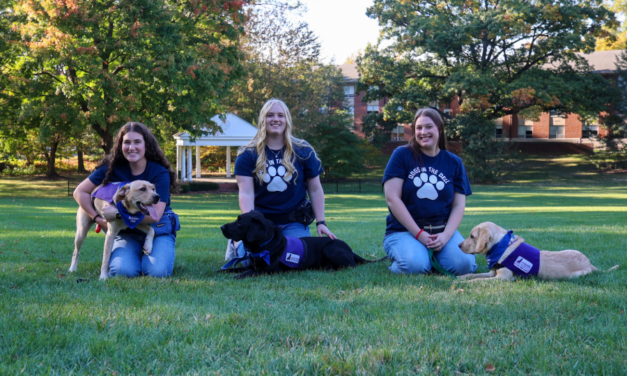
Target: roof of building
[[350, 72], [235, 132], [602, 62]]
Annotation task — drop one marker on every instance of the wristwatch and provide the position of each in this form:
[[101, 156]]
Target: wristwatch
[[321, 223]]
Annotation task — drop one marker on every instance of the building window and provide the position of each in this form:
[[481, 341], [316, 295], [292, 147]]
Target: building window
[[398, 133], [525, 131], [499, 131], [589, 131], [351, 110], [556, 132], [349, 92], [373, 110]]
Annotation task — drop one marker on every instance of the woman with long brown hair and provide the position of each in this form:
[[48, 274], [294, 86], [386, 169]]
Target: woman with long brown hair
[[136, 155], [425, 189]]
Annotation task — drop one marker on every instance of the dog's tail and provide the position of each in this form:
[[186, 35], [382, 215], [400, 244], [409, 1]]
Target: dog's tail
[[595, 269], [361, 260]]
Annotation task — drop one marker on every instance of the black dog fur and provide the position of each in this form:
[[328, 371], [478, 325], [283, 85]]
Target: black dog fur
[[254, 229]]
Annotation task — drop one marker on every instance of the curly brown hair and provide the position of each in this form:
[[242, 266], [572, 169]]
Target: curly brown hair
[[153, 153]]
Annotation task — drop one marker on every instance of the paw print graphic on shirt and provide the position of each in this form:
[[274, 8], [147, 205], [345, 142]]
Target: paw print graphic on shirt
[[276, 177], [429, 186]]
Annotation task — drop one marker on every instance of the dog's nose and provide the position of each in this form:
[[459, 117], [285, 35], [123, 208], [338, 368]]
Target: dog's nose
[[155, 198], [460, 245]]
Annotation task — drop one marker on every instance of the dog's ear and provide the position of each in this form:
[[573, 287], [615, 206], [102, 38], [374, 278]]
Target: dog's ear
[[257, 229], [122, 192], [482, 240]]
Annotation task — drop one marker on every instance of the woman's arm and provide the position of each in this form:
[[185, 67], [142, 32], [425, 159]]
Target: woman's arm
[[246, 194], [82, 195], [314, 188], [393, 192], [438, 241]]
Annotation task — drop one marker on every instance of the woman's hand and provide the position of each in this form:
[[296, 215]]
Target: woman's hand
[[104, 225], [322, 229], [438, 241], [424, 238], [109, 212]]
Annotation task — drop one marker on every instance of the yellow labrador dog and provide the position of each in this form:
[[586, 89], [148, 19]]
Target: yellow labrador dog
[[134, 200], [508, 256]]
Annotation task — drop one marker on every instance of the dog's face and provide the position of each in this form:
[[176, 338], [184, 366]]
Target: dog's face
[[251, 227], [482, 238], [138, 196]]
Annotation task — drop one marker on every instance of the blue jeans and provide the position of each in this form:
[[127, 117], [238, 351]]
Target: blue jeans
[[129, 260], [294, 229], [410, 256]]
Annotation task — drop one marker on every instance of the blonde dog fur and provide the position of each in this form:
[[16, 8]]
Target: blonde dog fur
[[135, 197], [553, 265]]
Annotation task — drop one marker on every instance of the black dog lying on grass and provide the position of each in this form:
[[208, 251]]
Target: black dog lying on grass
[[272, 252]]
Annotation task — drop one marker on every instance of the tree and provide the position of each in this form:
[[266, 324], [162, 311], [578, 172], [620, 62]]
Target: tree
[[495, 57], [615, 36], [109, 62], [282, 60]]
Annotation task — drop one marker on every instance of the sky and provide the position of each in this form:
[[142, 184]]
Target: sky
[[342, 26]]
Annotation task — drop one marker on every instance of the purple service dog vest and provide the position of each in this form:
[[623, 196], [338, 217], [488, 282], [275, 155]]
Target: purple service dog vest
[[523, 261], [107, 192], [294, 253]]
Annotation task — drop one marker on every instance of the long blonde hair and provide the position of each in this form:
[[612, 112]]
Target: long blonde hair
[[259, 143]]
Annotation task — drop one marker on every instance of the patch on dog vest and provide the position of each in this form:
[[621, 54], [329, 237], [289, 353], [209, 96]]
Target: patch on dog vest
[[295, 252], [107, 192], [523, 261]]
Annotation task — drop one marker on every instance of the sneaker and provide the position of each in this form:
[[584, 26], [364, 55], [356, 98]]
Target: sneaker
[[231, 251]]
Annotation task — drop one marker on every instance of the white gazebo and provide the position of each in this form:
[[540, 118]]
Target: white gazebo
[[235, 132]]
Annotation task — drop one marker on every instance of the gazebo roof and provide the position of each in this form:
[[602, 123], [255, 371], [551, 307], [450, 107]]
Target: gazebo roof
[[235, 132]]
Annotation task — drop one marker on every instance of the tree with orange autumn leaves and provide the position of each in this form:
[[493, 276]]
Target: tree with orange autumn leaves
[[496, 57], [102, 63]]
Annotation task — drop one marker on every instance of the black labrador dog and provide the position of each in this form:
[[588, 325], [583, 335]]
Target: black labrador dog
[[275, 253]]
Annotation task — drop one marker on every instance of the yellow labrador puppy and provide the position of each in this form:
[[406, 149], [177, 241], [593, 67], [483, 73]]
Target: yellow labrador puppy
[[508, 256], [134, 200]]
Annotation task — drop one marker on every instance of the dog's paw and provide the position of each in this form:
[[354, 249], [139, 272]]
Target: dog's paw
[[103, 276], [147, 249], [429, 186], [276, 177]]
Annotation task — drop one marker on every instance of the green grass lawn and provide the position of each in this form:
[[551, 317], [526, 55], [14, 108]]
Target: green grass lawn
[[358, 321]]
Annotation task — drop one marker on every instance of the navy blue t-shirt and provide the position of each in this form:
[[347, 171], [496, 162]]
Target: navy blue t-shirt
[[278, 195], [428, 190], [154, 173]]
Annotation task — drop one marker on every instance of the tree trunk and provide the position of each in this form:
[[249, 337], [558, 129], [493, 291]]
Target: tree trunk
[[52, 158], [81, 163], [105, 136]]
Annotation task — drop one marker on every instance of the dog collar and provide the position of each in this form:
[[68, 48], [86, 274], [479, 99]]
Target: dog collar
[[495, 253], [266, 243], [131, 220]]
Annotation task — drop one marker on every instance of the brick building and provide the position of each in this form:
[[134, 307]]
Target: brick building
[[550, 127]]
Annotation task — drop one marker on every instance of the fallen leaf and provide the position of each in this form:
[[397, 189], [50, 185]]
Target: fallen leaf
[[346, 311], [495, 330], [61, 275], [490, 367], [20, 269], [208, 317]]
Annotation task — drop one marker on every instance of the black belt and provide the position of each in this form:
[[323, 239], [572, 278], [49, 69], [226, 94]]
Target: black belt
[[433, 228]]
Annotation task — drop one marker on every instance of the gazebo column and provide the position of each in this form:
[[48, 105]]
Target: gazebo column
[[189, 163], [178, 163], [183, 162], [198, 161], [228, 161]]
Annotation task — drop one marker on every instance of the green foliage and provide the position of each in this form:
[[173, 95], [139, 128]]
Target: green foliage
[[613, 151], [213, 158], [102, 63], [282, 61], [498, 57], [485, 159]]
